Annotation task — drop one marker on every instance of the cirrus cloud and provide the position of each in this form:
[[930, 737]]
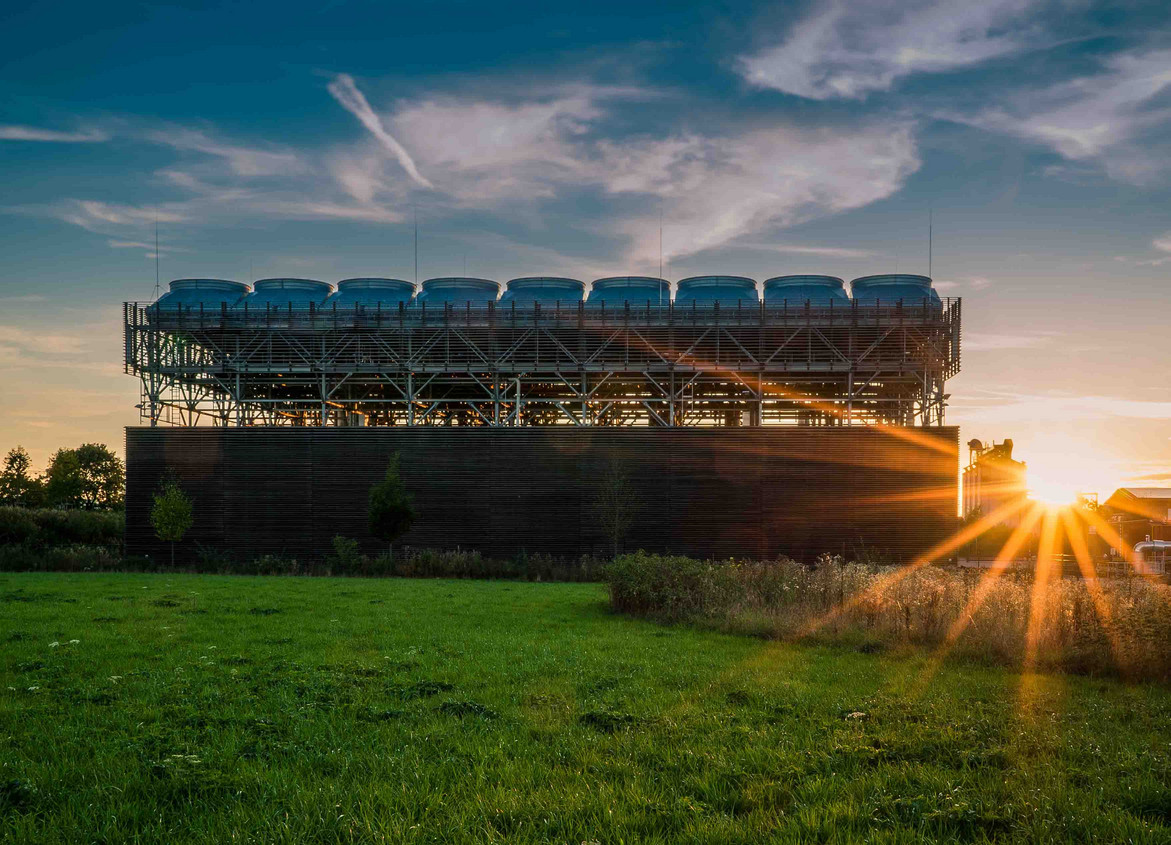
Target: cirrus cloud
[[847, 50], [710, 188], [33, 133]]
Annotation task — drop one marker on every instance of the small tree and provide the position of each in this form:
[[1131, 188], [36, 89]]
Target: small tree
[[615, 502], [171, 513], [392, 509], [17, 487]]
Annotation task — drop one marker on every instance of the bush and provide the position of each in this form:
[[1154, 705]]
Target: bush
[[30, 540], [277, 565], [49, 527], [23, 558], [346, 559], [18, 526], [459, 563], [658, 585], [837, 600]]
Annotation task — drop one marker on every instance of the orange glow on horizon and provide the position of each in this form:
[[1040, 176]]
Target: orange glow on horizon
[[1061, 470]]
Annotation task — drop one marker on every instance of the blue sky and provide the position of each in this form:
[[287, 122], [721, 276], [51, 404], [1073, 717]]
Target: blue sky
[[295, 139]]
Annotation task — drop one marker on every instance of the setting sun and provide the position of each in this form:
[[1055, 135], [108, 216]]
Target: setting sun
[[1053, 492], [1057, 476]]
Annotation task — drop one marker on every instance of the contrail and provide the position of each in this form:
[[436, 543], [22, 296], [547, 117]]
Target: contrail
[[354, 101]]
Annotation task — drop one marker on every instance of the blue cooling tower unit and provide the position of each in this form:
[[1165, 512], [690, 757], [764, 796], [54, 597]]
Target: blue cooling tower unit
[[892, 288], [208, 294], [616, 291], [726, 290], [286, 293], [372, 293], [545, 290], [458, 290], [799, 290]]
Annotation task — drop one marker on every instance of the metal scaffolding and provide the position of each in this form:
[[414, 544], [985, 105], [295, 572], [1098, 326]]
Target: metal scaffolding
[[568, 365]]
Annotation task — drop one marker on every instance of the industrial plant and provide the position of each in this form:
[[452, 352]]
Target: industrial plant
[[699, 383], [374, 352], [993, 481]]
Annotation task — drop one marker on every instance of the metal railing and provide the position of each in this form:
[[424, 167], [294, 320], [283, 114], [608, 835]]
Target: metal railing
[[312, 317]]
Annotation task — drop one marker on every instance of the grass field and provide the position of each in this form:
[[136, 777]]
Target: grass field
[[153, 708]]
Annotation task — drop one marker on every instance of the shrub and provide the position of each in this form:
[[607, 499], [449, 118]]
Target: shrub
[[18, 526], [346, 558], [658, 585], [211, 559], [277, 565], [23, 558], [49, 527], [461, 563]]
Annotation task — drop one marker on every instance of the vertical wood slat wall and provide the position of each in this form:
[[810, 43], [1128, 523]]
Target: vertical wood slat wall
[[739, 492]]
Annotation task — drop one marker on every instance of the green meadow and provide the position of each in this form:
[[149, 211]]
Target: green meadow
[[184, 708]]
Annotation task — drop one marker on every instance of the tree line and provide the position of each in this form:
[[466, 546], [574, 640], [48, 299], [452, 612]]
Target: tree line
[[89, 477]]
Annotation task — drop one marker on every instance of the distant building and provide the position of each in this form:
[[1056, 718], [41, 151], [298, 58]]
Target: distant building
[[1140, 513], [992, 479]]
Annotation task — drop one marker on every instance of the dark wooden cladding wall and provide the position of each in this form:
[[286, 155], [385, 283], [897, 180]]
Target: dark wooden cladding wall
[[732, 492]]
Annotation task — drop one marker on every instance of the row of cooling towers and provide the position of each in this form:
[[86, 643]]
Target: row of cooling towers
[[615, 291]]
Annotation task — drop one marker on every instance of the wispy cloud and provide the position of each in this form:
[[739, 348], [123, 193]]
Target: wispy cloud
[[849, 49], [1114, 119], [970, 283], [32, 133], [345, 91], [484, 150], [40, 343], [1160, 244], [797, 249], [1094, 117], [102, 217], [318, 210], [242, 159], [163, 249], [518, 154], [985, 341], [711, 189], [1013, 407], [772, 177]]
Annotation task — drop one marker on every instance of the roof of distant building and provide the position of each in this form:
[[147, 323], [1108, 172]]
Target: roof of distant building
[[1146, 492]]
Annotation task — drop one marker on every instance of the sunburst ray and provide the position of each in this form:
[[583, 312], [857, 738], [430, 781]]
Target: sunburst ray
[[958, 539], [1085, 562], [987, 582]]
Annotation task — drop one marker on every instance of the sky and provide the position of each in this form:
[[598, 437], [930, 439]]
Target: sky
[[298, 139]]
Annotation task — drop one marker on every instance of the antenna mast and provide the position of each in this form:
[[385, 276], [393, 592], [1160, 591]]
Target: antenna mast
[[930, 244], [660, 251], [156, 258], [416, 245]]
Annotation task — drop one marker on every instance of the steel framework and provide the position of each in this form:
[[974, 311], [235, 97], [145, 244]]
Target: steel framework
[[577, 365]]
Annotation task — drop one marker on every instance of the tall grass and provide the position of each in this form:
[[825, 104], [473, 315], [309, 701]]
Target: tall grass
[[1125, 629]]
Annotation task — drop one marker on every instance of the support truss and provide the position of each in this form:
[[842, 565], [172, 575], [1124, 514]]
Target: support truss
[[657, 366]]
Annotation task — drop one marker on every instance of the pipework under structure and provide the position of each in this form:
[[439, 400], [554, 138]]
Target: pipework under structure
[[376, 353]]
